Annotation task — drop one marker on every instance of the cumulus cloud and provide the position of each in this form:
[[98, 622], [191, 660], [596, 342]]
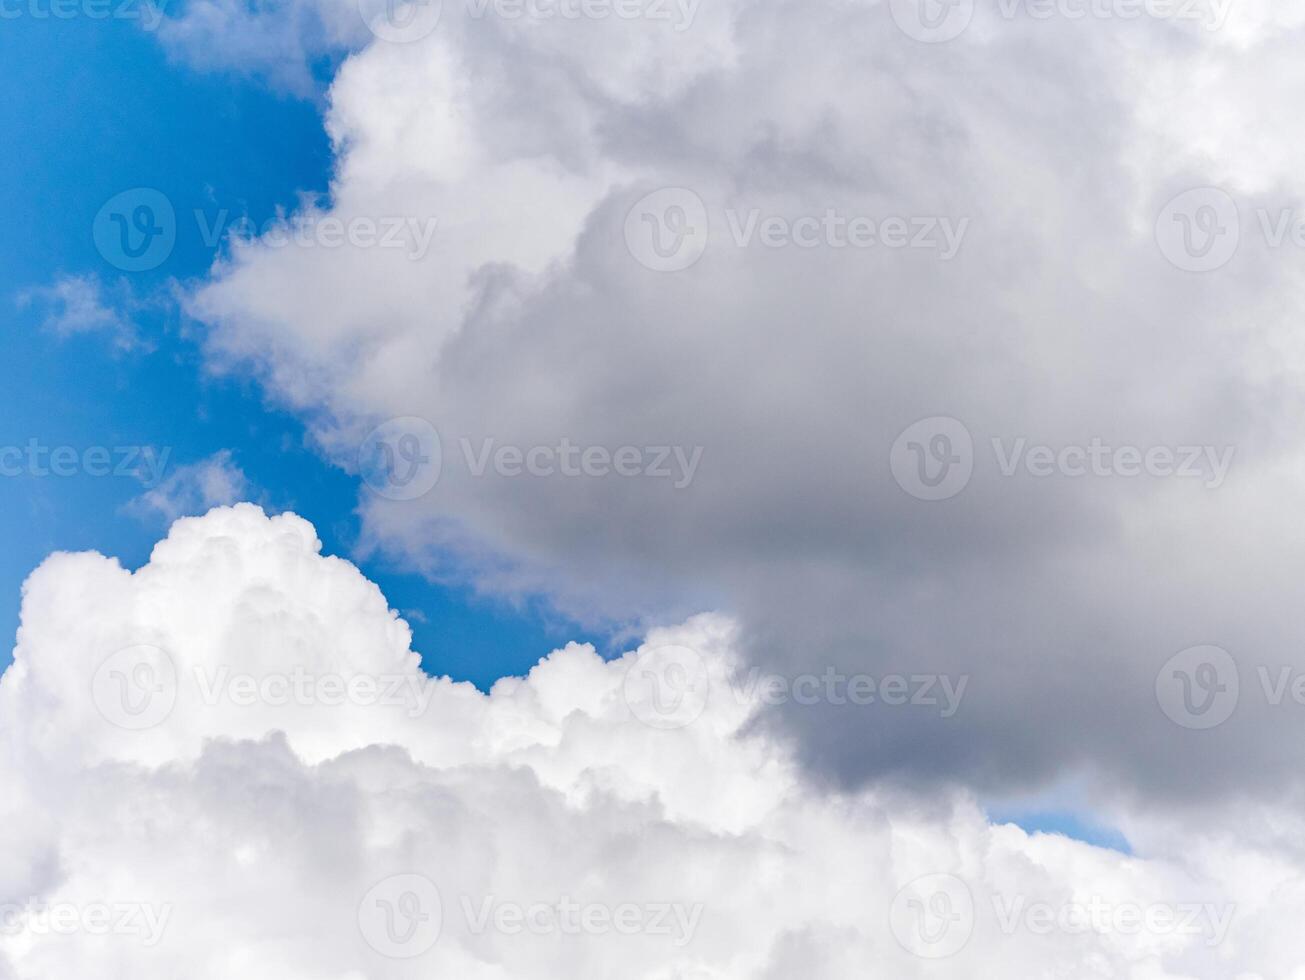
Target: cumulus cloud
[[229, 761], [645, 242]]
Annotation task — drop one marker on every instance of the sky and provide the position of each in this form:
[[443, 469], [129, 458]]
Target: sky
[[106, 94], [813, 482]]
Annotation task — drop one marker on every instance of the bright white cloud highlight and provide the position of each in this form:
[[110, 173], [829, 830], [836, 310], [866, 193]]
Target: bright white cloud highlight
[[230, 762]]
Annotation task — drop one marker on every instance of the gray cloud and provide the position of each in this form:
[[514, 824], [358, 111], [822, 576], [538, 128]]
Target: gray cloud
[[1059, 321]]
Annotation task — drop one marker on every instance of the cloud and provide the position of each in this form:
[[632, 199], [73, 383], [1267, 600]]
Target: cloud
[[283, 42], [206, 775], [74, 305], [1010, 276], [194, 489]]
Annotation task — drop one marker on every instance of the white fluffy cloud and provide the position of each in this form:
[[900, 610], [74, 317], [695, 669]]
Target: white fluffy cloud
[[178, 804]]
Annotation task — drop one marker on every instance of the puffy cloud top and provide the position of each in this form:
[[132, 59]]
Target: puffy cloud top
[[230, 762]]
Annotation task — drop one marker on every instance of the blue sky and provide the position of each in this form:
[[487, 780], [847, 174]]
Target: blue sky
[[91, 109]]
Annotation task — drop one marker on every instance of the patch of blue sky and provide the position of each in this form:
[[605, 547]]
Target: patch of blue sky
[[90, 109]]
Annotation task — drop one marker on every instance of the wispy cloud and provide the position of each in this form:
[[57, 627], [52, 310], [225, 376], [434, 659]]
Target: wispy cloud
[[194, 489], [73, 305]]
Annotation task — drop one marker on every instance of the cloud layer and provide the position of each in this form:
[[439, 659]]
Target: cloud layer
[[229, 761], [781, 236]]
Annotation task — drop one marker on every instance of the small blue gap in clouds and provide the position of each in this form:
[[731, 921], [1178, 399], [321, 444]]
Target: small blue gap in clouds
[[1067, 824]]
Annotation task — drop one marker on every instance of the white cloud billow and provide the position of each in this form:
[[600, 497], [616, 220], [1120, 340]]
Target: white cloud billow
[[545, 829]]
